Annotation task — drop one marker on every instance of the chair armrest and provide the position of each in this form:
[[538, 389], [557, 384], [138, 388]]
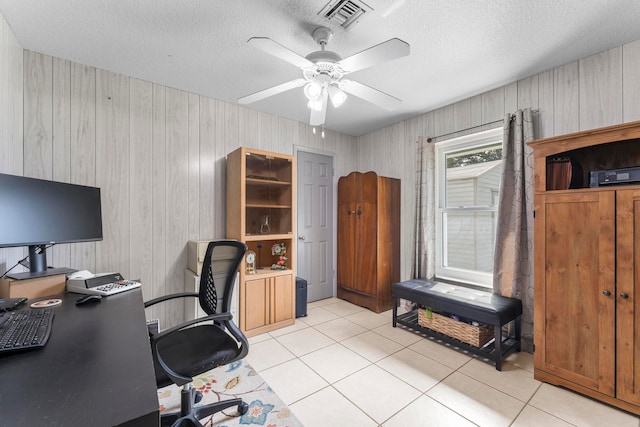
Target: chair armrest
[[169, 297], [240, 337]]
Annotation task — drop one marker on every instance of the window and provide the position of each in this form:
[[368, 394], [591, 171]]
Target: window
[[468, 172]]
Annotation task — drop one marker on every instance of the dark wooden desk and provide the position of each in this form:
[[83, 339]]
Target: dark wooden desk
[[95, 370]]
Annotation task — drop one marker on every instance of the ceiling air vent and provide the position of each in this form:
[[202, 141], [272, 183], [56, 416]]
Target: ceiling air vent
[[345, 13]]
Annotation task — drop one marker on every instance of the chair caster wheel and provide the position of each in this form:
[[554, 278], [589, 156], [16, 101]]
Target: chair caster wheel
[[198, 397], [243, 408]]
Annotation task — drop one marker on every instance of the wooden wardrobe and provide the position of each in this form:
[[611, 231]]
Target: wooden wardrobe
[[587, 265], [368, 239]]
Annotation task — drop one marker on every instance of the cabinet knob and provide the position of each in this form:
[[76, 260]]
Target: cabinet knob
[[606, 293], [300, 237], [624, 295]]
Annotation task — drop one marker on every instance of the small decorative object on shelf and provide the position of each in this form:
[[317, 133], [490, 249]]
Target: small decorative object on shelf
[[250, 260], [265, 228], [279, 250], [559, 173]]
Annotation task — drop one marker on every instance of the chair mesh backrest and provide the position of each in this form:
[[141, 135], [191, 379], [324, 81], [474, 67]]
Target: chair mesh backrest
[[210, 293], [218, 275]]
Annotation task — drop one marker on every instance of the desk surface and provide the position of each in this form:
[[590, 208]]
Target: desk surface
[[95, 370]]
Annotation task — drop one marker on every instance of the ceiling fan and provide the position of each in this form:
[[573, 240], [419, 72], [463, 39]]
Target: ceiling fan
[[323, 73]]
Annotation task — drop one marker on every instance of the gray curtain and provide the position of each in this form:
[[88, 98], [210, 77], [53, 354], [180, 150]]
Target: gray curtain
[[513, 256], [425, 233]]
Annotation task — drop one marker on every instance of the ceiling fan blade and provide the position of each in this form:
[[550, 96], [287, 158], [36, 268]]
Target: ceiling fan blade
[[276, 49], [385, 51], [257, 96], [370, 94], [317, 117]]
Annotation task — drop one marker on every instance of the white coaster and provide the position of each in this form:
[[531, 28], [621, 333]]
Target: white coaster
[[46, 303]]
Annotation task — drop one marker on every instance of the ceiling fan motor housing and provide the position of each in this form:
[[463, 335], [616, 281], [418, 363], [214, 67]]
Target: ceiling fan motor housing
[[324, 61], [322, 36]]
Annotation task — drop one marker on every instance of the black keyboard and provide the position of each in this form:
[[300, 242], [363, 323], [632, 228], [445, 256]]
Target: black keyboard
[[25, 329]]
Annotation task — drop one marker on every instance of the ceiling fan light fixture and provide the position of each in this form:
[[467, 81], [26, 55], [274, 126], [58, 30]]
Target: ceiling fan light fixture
[[337, 96], [315, 104], [313, 90]]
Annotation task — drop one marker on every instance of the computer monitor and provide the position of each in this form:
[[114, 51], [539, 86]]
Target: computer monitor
[[37, 213]]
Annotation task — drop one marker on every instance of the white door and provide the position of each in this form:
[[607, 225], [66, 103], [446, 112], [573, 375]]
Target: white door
[[315, 224]]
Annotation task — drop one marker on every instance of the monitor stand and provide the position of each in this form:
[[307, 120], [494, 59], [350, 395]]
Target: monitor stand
[[38, 265], [48, 272]]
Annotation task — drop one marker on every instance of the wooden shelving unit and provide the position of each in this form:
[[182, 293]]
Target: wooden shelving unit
[[261, 204]]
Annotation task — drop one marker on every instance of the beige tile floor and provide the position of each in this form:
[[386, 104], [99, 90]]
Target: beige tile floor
[[344, 365]]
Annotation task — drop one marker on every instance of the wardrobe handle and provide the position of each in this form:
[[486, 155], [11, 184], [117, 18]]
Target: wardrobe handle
[[606, 293], [359, 211], [624, 295]]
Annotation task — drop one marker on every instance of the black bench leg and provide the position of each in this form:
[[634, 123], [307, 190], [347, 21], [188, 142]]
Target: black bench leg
[[498, 349], [518, 332], [395, 311]]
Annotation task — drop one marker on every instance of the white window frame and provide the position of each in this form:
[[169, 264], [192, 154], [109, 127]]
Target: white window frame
[[442, 149]]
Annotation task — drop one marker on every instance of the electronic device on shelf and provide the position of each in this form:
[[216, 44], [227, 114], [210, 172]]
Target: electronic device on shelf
[[622, 176], [84, 282], [38, 213], [25, 329]]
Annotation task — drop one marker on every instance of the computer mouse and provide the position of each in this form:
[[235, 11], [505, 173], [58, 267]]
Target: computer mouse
[[88, 298]]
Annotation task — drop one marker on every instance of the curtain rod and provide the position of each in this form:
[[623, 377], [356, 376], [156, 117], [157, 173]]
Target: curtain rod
[[431, 138]]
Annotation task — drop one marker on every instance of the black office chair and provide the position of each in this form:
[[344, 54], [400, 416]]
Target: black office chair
[[199, 345]]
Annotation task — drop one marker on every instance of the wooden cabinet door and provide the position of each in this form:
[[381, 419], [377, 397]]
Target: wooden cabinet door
[[627, 296], [282, 295], [346, 230], [256, 303], [575, 288], [366, 233]]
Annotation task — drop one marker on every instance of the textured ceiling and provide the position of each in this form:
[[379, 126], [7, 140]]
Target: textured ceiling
[[459, 48]]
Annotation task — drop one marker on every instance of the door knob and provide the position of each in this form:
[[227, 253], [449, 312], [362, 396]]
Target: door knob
[[300, 237], [606, 293], [624, 295]]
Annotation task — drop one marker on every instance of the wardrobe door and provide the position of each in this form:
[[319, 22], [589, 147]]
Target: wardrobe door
[[627, 295], [575, 288], [366, 233], [346, 230]]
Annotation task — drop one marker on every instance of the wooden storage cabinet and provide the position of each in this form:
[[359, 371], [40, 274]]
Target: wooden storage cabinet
[[271, 300], [368, 239], [587, 269], [261, 192]]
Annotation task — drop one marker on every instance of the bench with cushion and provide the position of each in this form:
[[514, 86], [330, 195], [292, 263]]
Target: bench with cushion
[[475, 305]]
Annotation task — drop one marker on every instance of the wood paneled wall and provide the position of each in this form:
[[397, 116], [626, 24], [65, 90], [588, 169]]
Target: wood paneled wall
[[11, 113], [157, 153], [597, 91]]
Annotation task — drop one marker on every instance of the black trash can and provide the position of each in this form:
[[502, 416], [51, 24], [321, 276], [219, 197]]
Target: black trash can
[[301, 297]]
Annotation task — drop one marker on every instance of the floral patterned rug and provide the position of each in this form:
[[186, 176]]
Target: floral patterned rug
[[238, 379]]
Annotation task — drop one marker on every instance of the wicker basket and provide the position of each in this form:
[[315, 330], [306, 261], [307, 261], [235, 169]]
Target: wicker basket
[[476, 336]]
